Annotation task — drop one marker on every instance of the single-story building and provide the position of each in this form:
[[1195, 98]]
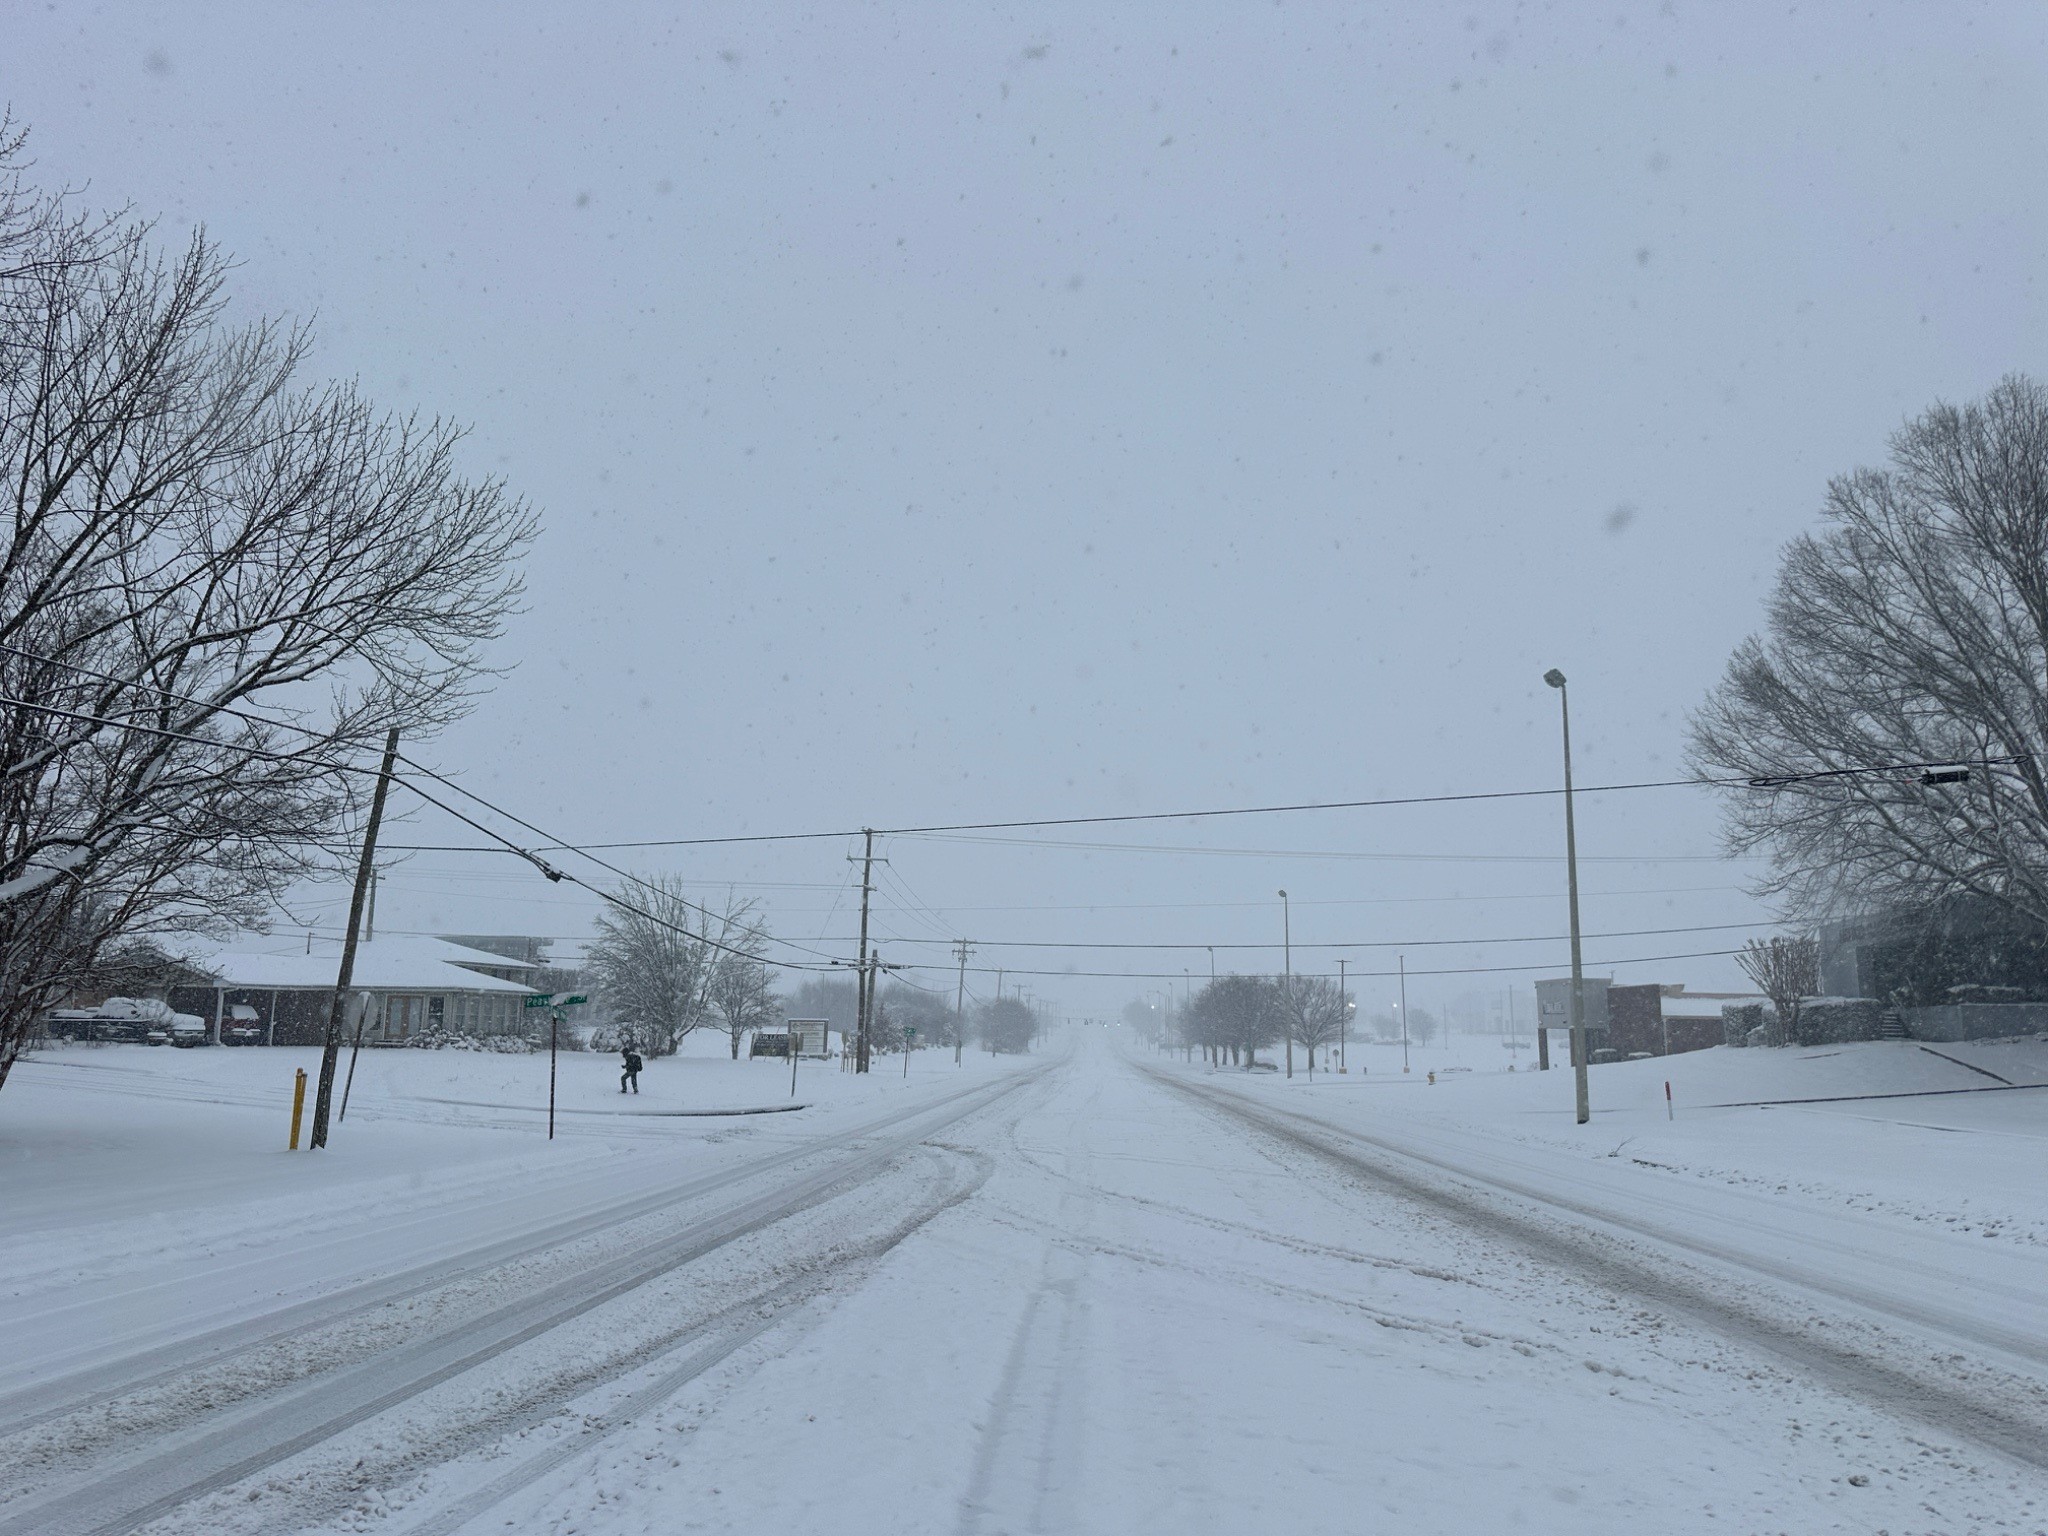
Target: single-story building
[[415, 984], [1666, 1020]]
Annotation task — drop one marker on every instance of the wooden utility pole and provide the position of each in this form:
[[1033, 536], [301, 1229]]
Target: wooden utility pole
[[867, 1036], [331, 1052], [867, 886], [962, 950]]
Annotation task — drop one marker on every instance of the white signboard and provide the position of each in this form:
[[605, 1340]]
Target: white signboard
[[813, 1036], [1554, 1002]]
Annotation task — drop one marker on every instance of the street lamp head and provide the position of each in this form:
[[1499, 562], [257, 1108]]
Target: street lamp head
[[1554, 677], [1283, 895]]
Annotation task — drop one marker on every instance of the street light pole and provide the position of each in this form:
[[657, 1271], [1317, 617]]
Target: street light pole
[[1571, 867], [1287, 946]]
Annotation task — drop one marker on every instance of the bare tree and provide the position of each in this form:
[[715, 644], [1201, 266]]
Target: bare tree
[[1311, 1012], [658, 957], [1007, 1025], [218, 588], [1912, 630], [1784, 970], [1422, 1026], [921, 1009], [741, 988], [1237, 1016]]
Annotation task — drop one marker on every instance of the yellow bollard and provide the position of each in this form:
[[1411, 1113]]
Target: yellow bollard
[[298, 1107]]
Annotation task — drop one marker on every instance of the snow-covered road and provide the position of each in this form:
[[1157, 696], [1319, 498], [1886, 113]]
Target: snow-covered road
[[1945, 1329], [1101, 1293]]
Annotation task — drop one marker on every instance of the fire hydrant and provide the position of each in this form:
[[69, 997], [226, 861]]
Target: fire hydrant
[[1432, 1079]]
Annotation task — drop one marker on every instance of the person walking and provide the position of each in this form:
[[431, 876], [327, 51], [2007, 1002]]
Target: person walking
[[632, 1072]]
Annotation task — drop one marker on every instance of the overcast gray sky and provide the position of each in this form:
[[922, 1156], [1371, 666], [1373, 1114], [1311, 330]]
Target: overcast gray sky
[[946, 414]]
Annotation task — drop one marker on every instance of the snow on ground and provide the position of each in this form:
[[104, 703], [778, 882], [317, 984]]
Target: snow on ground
[[1150, 1321], [1097, 1291], [1902, 1128], [148, 1192]]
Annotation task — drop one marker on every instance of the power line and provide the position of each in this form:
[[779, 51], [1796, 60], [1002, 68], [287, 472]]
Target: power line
[[539, 863], [1325, 853], [327, 740], [610, 868], [1455, 970], [1539, 938], [1757, 781], [1750, 781]]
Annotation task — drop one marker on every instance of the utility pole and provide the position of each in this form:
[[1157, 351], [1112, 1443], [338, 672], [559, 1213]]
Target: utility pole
[[1571, 864], [1343, 1019], [1403, 960], [867, 886], [961, 950], [1287, 944], [863, 1055], [331, 1051], [370, 916]]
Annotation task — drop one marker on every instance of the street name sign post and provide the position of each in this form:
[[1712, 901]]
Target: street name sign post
[[554, 1002]]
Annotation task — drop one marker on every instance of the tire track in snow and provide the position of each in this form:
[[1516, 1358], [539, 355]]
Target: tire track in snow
[[1028, 1456], [78, 1391], [123, 1499], [1995, 1410], [718, 1338]]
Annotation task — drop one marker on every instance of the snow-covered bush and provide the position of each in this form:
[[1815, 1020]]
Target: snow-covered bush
[[1763, 1024], [613, 1038], [1833, 1020], [1739, 1021], [501, 1045], [1972, 992]]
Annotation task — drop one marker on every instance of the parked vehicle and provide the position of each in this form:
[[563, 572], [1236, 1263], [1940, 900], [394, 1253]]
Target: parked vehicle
[[241, 1026], [147, 1019]]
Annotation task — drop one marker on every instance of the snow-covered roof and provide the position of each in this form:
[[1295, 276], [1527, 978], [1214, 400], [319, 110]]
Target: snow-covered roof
[[393, 963]]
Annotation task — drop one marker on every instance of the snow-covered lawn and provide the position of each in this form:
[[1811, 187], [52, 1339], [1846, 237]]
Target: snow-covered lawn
[[1901, 1128]]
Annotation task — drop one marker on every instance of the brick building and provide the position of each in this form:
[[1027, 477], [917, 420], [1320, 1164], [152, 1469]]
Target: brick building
[[1659, 1019]]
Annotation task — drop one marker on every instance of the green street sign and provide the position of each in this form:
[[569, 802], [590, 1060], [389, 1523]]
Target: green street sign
[[909, 1034], [572, 999], [540, 1000]]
